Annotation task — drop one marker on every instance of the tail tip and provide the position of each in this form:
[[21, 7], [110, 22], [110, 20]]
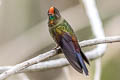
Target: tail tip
[[86, 73]]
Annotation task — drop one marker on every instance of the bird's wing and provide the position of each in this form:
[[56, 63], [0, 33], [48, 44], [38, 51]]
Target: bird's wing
[[65, 42], [77, 48], [74, 57]]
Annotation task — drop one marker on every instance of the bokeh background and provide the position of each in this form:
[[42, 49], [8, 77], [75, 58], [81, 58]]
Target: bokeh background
[[24, 34]]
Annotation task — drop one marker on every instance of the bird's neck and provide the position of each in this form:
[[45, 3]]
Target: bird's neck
[[57, 22]]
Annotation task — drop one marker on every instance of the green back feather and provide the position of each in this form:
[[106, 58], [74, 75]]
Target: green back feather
[[60, 27]]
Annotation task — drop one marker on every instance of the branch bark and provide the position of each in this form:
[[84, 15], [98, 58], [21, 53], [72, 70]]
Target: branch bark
[[55, 63]]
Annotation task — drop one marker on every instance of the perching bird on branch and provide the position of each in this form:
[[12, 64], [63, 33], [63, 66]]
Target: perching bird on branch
[[65, 37]]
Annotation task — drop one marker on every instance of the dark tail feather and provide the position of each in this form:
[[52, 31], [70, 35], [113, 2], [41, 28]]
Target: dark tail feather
[[82, 63], [84, 57]]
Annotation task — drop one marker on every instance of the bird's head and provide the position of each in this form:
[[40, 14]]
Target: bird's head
[[53, 15]]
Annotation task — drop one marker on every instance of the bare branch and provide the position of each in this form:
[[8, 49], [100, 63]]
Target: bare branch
[[26, 64], [54, 63], [97, 29], [91, 42], [46, 65]]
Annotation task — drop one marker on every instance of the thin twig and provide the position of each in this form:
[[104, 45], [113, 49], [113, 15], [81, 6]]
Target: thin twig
[[91, 42], [24, 65]]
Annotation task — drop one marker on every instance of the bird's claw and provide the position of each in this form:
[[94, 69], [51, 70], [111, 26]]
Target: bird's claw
[[57, 49]]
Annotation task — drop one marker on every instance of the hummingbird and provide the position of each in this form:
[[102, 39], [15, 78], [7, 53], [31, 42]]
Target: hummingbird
[[64, 36]]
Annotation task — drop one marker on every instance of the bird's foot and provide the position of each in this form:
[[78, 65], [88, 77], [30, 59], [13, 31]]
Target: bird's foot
[[57, 49]]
